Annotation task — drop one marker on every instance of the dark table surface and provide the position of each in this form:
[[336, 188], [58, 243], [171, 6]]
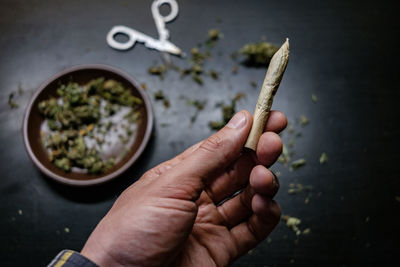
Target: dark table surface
[[344, 52]]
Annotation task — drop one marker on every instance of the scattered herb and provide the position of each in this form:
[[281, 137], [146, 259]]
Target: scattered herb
[[314, 98], [258, 54], [297, 188], [213, 36], [166, 103], [214, 74], [199, 105], [306, 231], [159, 70], [159, 95], [323, 158], [285, 157], [292, 223], [197, 56], [11, 103], [197, 79], [297, 164], [227, 113], [303, 120], [195, 70]]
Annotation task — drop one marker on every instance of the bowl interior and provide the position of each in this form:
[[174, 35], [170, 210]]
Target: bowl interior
[[34, 120]]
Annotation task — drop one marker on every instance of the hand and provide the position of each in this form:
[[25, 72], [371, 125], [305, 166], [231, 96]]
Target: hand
[[171, 215]]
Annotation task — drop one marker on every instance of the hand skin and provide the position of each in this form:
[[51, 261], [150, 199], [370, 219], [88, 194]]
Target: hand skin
[[171, 216]]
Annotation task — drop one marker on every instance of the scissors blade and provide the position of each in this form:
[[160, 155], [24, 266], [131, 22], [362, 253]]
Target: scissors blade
[[163, 46], [171, 48]]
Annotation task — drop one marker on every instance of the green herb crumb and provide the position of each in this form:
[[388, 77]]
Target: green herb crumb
[[292, 223], [314, 98], [297, 164], [159, 70], [227, 113], [214, 74], [303, 120], [258, 54], [323, 158], [306, 231], [11, 103]]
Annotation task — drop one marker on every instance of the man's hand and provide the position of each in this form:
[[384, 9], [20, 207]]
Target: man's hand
[[172, 216]]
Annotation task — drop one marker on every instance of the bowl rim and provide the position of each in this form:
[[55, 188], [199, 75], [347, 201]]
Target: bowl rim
[[123, 168]]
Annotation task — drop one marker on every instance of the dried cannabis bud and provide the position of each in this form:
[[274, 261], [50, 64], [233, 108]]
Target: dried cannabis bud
[[323, 158], [214, 74], [285, 157], [11, 103], [199, 105], [303, 120], [73, 117], [213, 36], [159, 96], [292, 223], [297, 164], [258, 54], [297, 188], [314, 98], [227, 113], [159, 70]]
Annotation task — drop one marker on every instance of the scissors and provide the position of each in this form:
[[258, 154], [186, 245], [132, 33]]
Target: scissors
[[161, 44]]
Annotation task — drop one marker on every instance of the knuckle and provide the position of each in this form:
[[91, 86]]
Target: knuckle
[[212, 144]]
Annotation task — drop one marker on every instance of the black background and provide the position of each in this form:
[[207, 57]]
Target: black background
[[345, 52]]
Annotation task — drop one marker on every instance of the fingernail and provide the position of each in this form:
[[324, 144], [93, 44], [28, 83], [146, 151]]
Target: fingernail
[[238, 121]]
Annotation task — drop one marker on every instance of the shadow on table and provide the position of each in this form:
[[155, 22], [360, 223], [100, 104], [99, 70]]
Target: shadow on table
[[107, 190]]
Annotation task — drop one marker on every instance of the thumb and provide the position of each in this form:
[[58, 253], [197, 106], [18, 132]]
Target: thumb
[[220, 150]]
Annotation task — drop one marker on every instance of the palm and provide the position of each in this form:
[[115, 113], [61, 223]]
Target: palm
[[210, 242]]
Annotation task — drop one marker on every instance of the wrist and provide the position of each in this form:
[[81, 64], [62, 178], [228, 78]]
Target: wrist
[[96, 253]]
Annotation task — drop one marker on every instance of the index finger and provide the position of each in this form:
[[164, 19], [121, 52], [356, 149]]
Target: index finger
[[276, 122]]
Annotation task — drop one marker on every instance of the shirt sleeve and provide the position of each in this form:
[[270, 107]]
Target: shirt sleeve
[[70, 258]]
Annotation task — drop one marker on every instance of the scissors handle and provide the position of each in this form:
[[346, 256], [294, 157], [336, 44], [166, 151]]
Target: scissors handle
[[133, 37], [160, 20], [155, 9]]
